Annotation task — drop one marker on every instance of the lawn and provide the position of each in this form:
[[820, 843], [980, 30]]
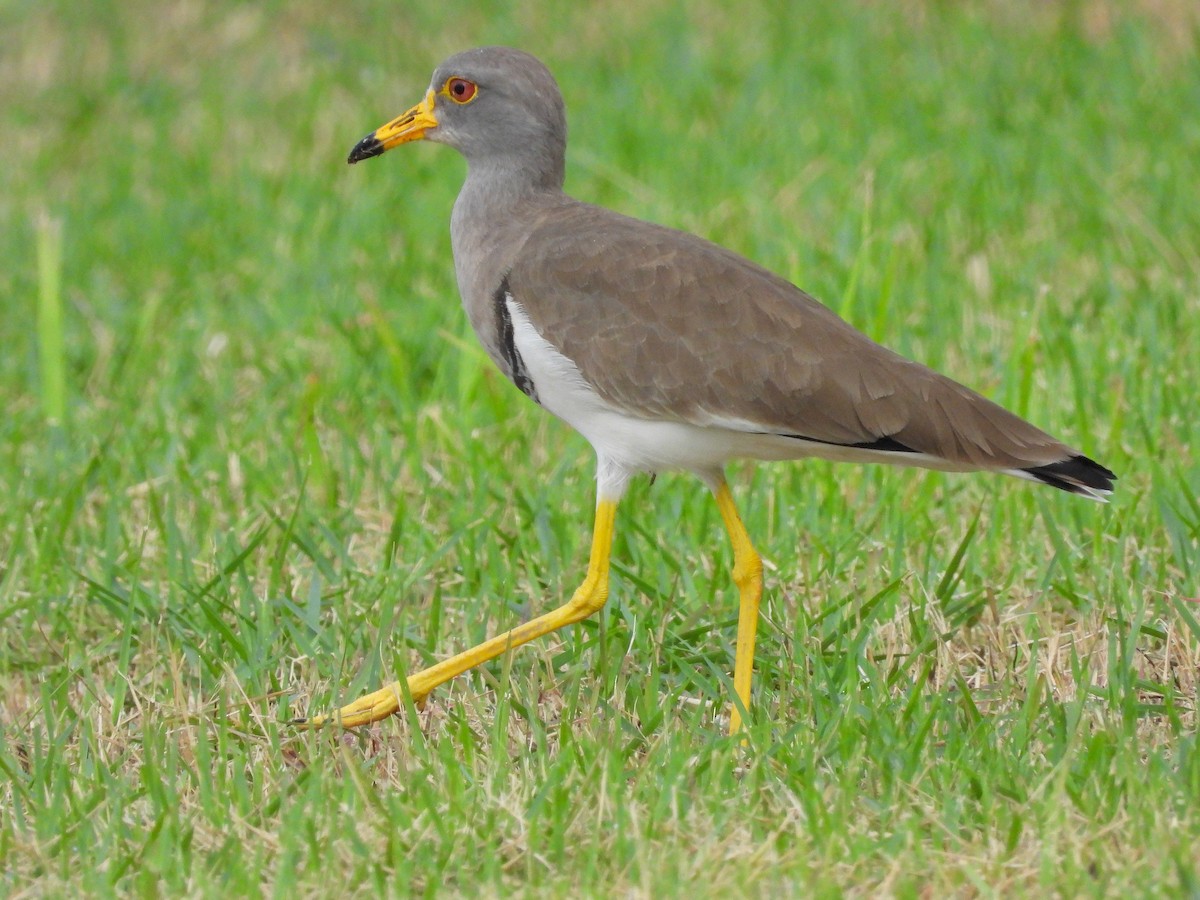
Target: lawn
[[255, 463]]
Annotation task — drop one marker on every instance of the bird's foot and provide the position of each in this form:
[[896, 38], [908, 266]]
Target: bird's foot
[[366, 709]]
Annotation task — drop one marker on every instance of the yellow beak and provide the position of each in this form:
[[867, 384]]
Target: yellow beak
[[411, 126]]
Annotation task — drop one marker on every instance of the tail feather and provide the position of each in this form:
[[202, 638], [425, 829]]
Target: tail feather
[[1076, 475]]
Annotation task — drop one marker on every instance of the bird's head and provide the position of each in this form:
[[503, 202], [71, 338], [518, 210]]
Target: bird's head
[[490, 104]]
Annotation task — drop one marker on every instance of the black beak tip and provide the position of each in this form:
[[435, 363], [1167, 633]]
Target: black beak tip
[[365, 149]]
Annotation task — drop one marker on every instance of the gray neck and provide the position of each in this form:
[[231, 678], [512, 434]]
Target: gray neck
[[501, 181], [492, 213]]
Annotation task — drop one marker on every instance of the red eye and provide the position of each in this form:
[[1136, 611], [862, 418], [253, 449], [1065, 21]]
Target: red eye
[[460, 90]]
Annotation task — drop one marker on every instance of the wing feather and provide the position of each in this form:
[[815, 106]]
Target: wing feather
[[667, 325]]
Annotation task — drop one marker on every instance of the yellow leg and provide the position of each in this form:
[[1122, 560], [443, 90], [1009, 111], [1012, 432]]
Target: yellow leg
[[587, 599], [747, 575]]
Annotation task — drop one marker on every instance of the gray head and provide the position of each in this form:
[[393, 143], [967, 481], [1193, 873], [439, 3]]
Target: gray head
[[499, 107]]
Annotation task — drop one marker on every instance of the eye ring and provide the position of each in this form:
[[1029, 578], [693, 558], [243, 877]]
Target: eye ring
[[460, 90]]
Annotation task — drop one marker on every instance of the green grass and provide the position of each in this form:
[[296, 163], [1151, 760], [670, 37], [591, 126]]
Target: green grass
[[253, 463]]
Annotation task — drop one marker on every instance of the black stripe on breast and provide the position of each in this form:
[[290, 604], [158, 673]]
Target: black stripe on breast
[[508, 348]]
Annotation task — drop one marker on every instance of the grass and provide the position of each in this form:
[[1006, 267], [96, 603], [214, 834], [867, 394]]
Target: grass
[[254, 463]]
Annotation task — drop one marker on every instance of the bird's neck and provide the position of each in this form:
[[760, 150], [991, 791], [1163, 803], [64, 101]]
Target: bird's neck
[[496, 204], [492, 218], [502, 179]]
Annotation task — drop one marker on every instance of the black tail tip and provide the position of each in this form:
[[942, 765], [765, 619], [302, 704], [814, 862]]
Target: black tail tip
[[1076, 475]]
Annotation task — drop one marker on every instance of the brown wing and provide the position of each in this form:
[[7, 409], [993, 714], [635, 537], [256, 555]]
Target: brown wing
[[666, 325]]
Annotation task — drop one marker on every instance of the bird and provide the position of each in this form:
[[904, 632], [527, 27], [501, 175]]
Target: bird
[[666, 351]]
